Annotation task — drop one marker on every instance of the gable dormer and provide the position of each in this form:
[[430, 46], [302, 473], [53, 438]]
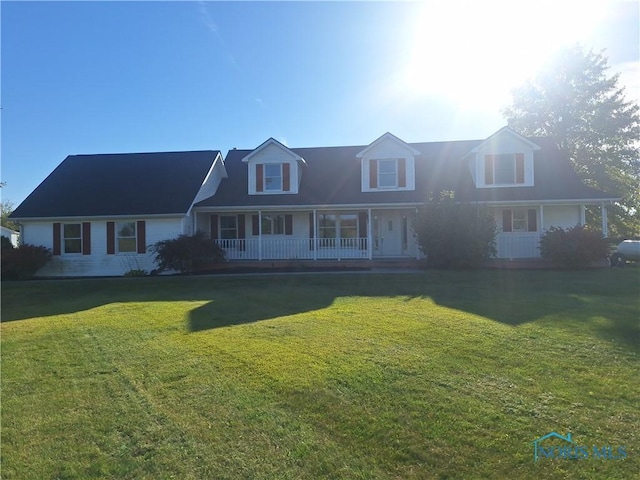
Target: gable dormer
[[505, 159], [388, 164], [273, 169]]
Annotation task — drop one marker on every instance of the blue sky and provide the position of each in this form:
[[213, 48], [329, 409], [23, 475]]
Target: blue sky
[[104, 77]]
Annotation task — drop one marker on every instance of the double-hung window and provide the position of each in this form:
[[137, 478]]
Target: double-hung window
[[126, 237], [273, 177], [504, 169], [273, 224], [387, 173], [228, 227], [72, 237], [519, 220]]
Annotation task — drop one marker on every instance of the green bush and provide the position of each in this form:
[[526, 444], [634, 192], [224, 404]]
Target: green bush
[[574, 247], [136, 272], [455, 235], [187, 254], [5, 242], [23, 262]]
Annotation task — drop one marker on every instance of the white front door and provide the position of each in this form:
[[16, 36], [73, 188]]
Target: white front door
[[387, 234]]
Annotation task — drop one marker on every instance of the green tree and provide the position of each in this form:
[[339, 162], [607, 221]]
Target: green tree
[[6, 207], [575, 101], [455, 235]]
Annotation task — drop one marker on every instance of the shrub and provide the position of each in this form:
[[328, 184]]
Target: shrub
[[5, 243], [187, 254], [574, 247], [455, 235], [136, 272], [23, 262]]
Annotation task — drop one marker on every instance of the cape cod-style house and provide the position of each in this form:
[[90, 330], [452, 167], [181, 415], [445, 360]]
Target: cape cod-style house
[[99, 213]]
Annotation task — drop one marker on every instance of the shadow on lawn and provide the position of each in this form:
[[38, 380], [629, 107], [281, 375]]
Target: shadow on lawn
[[506, 296]]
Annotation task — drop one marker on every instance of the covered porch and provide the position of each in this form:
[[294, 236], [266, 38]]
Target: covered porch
[[316, 234]]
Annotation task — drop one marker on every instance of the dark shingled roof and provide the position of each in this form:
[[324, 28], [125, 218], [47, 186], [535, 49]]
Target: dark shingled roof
[[119, 184], [332, 177]]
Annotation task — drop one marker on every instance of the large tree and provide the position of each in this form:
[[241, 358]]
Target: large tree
[[6, 207], [577, 102]]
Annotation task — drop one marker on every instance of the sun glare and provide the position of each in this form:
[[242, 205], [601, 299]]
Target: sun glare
[[474, 53]]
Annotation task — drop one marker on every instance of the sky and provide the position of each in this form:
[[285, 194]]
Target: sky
[[121, 76]]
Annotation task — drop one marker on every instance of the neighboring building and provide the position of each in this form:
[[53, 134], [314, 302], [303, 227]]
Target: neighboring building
[[98, 213], [13, 236]]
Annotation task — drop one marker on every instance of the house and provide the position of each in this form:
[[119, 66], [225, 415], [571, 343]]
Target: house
[[98, 213], [13, 236]]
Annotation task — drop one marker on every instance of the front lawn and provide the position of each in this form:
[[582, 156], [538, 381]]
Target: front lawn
[[338, 376]]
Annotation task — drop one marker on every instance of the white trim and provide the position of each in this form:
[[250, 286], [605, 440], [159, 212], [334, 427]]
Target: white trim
[[228, 208], [505, 130], [384, 137], [273, 141], [100, 218]]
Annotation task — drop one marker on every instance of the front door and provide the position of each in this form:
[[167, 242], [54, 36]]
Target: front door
[[387, 234]]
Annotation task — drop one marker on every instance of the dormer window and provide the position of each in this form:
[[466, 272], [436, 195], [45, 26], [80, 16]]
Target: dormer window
[[273, 177], [388, 173], [504, 169]]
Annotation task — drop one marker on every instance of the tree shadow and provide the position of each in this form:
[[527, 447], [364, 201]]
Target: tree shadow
[[511, 297]]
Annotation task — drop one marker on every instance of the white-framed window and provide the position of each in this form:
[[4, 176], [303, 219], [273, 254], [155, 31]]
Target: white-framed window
[[504, 169], [126, 239], [272, 177], [327, 225], [344, 226], [387, 173], [519, 220], [273, 224], [228, 227], [72, 237]]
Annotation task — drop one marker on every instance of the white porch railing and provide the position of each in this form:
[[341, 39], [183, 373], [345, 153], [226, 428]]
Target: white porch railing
[[518, 245], [294, 248]]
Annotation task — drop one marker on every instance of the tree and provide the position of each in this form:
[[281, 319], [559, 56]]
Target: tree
[[576, 102], [455, 235], [6, 207], [187, 254]]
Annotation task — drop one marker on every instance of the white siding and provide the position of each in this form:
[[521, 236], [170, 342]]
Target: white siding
[[563, 216], [504, 143], [99, 263], [389, 148], [272, 153]]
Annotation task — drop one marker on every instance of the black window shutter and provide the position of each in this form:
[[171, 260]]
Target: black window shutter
[[213, 225], [506, 221], [288, 224], [56, 239], [111, 238], [362, 228], [241, 231], [141, 233], [532, 224], [86, 238]]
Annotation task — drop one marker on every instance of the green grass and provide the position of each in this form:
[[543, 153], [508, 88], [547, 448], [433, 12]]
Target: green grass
[[426, 375]]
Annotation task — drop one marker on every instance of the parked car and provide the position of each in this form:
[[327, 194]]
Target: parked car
[[628, 250]]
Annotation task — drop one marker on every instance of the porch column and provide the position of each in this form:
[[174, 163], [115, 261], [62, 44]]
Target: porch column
[[259, 235], [369, 236], [605, 220], [315, 234], [414, 239], [541, 218], [583, 216]]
